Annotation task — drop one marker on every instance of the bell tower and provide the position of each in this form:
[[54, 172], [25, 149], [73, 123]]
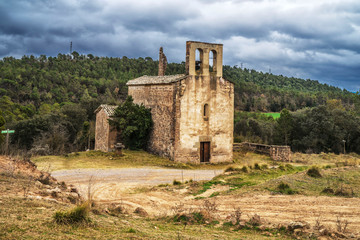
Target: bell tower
[[203, 59]]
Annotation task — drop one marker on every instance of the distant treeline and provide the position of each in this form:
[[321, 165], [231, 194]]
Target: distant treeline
[[325, 128], [60, 94]]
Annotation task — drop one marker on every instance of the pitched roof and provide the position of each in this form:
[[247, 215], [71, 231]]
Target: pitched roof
[[109, 109], [146, 80]]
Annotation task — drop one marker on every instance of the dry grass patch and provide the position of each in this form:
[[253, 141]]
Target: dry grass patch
[[101, 160]]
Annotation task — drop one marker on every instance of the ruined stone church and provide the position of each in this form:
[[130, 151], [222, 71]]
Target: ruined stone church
[[193, 113]]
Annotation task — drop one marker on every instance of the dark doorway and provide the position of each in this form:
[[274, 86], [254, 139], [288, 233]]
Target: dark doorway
[[204, 151]]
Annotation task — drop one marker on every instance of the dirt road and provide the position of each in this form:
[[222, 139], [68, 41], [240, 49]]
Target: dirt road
[[110, 184]]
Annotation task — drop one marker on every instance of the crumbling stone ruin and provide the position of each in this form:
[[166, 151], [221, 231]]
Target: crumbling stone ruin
[[193, 113], [105, 135], [162, 62], [277, 153]]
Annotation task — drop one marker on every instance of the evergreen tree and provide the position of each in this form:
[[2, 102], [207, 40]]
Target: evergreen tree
[[133, 122]]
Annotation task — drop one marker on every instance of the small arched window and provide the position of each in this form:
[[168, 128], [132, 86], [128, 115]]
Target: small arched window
[[212, 61], [198, 60], [206, 111]]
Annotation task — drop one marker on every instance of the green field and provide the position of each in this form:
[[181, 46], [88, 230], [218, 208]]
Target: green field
[[275, 115]]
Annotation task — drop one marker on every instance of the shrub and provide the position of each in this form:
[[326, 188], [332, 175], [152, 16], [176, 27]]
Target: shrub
[[244, 169], [134, 123], [285, 189], [198, 217], [314, 172], [257, 166], [78, 214], [328, 190], [230, 169], [175, 182]]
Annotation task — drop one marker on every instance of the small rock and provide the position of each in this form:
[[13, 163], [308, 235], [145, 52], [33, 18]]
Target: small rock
[[57, 190], [340, 235], [323, 238], [255, 220], [141, 212], [298, 225], [267, 234], [38, 184], [324, 232], [262, 228]]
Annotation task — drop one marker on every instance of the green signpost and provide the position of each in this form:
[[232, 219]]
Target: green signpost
[[7, 132]]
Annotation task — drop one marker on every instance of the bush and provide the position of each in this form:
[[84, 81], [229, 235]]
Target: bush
[[314, 172], [244, 169], [175, 182], [328, 190], [257, 166], [133, 122], [285, 189], [192, 218], [231, 169], [78, 214]]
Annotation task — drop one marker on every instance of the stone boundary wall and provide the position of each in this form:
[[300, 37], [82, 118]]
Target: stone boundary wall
[[277, 153]]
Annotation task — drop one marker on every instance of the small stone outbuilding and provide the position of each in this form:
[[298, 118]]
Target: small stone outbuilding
[[105, 135], [193, 113]]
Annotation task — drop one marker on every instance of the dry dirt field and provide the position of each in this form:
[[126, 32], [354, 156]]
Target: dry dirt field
[[151, 188], [137, 188]]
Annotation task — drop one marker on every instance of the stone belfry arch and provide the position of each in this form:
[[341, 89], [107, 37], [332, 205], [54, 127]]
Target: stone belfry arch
[[204, 49]]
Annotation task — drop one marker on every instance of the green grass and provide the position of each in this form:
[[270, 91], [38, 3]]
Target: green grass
[[275, 115], [240, 181], [342, 181]]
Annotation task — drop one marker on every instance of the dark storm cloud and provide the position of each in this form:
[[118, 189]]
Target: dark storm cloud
[[307, 39]]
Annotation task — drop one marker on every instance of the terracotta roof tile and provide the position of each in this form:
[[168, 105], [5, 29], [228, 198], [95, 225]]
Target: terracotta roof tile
[[109, 109], [146, 80]]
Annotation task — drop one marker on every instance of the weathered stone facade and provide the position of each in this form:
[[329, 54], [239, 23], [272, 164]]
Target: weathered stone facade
[[192, 113], [105, 135]]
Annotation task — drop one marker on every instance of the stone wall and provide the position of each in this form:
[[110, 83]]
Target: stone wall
[[105, 135], [278, 153], [159, 98]]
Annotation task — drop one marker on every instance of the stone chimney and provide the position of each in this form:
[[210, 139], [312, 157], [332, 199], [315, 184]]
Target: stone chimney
[[162, 62]]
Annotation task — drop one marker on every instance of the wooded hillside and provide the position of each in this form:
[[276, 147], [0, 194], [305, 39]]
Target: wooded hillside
[[40, 96]]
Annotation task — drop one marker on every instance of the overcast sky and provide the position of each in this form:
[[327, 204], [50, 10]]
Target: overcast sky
[[316, 39]]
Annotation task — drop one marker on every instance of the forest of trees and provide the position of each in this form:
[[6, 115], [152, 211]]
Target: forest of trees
[[325, 128], [51, 100]]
